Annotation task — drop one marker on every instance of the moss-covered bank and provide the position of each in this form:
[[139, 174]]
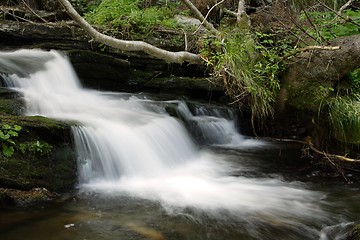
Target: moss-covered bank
[[36, 153]]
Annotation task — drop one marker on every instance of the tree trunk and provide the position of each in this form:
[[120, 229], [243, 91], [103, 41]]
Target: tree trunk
[[175, 57], [322, 68]]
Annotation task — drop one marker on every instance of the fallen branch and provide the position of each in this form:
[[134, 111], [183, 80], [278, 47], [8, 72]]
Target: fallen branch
[[310, 144], [208, 13], [229, 12], [124, 45], [199, 15], [346, 19], [241, 10], [345, 6], [308, 48]]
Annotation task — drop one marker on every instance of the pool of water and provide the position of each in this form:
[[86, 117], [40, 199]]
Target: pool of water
[[93, 214]]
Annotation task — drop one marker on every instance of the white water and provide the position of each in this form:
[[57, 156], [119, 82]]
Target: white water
[[127, 148]]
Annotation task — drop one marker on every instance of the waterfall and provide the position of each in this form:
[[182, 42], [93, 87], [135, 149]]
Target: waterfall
[[126, 145], [215, 126]]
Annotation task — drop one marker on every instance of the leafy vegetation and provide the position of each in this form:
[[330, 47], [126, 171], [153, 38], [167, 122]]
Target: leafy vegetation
[[36, 147], [328, 25], [130, 17], [7, 135], [301, 4], [249, 66], [344, 119], [344, 110]]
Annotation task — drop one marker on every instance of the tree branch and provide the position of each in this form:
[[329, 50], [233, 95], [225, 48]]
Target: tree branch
[[241, 10], [199, 15], [308, 48], [310, 144], [31, 10], [124, 45], [346, 5]]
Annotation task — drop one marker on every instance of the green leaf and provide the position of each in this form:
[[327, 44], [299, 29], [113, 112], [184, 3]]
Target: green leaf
[[2, 135], [17, 128], [8, 151], [5, 136], [12, 133]]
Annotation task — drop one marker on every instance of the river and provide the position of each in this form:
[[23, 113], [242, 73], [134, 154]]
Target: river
[[144, 174]]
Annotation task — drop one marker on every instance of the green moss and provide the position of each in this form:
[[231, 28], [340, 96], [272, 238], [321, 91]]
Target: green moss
[[130, 17], [39, 159], [309, 96], [11, 106]]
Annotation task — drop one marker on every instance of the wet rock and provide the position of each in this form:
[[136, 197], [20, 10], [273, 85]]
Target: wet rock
[[355, 233], [43, 154], [21, 198]]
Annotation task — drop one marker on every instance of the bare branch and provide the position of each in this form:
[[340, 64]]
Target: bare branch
[[346, 19], [346, 5], [308, 48], [229, 12], [241, 9], [31, 10], [199, 15], [215, 5], [175, 57], [308, 142], [202, 23]]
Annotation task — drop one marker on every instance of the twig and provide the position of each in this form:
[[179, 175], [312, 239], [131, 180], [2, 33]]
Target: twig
[[302, 29], [241, 10], [346, 5], [199, 15], [31, 10], [310, 144], [185, 40], [337, 167], [313, 25], [346, 19], [231, 13], [207, 15], [17, 17], [295, 35], [308, 48]]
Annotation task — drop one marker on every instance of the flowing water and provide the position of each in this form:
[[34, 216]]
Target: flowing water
[[144, 174]]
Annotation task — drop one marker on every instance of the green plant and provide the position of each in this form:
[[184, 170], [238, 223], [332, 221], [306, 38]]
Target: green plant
[[83, 6], [128, 16], [328, 25], [7, 135], [355, 79], [249, 66], [37, 147], [344, 119]]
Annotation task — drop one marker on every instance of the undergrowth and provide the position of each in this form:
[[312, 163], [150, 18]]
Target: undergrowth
[[131, 17], [344, 111], [248, 65], [328, 25]]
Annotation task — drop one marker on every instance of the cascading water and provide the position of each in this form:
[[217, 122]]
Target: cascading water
[[215, 127], [129, 146]]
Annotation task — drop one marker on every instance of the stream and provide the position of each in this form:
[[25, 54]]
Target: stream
[[145, 174]]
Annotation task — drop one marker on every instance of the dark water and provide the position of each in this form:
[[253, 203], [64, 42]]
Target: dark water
[[91, 215]]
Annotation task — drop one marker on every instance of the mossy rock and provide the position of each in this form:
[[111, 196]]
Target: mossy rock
[[194, 88], [14, 197], [43, 155]]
